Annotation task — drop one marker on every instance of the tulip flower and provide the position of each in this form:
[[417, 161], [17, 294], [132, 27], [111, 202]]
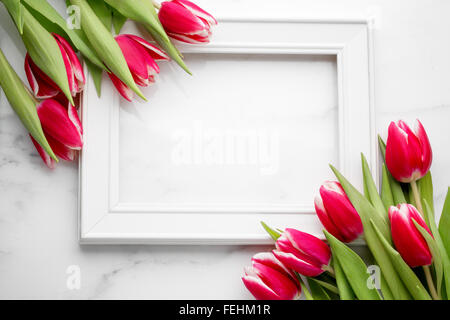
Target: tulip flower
[[140, 56], [303, 253], [407, 238], [268, 279], [62, 128], [185, 21], [337, 213], [408, 152], [43, 86]]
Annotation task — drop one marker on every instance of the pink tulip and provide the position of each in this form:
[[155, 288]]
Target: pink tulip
[[140, 56], [408, 152], [302, 252], [268, 279], [62, 128], [185, 21], [337, 213], [43, 87], [407, 239]]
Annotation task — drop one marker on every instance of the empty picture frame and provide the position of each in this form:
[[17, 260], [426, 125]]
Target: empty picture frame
[[247, 138]]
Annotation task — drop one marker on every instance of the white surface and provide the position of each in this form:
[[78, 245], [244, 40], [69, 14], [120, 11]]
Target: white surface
[[270, 92], [38, 212]]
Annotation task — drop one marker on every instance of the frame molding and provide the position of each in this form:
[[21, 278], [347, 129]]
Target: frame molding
[[108, 221]]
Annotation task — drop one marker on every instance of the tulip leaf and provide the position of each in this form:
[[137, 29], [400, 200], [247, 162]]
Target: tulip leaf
[[144, 12], [354, 269], [409, 278], [105, 45], [102, 11], [23, 103], [386, 192], [385, 290], [96, 74], [426, 190], [15, 10], [317, 291], [45, 52], [273, 233], [396, 187], [326, 285], [444, 223], [50, 19], [362, 205], [374, 197], [118, 20], [437, 259], [303, 286], [344, 287], [429, 216]]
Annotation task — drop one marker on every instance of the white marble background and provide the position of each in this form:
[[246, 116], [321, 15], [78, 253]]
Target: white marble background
[[38, 207]]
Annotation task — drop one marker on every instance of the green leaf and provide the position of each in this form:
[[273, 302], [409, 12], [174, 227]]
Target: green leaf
[[429, 216], [144, 12], [326, 285], [102, 11], [444, 223], [354, 269], [304, 288], [385, 290], [386, 192], [345, 290], [367, 212], [273, 233], [45, 53], [51, 20], [96, 74], [409, 278], [118, 20], [15, 10], [426, 190], [396, 188], [372, 191], [23, 103], [437, 259], [105, 45], [317, 291]]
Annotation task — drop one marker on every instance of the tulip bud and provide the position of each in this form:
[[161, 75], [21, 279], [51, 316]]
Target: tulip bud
[[23, 104], [62, 128], [408, 152], [337, 213], [140, 56], [268, 279], [185, 21], [303, 253], [43, 86], [407, 238]]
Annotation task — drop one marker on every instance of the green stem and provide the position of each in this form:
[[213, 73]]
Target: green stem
[[416, 194], [430, 283]]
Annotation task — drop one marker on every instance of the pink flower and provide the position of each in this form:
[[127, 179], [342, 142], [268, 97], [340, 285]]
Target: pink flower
[[43, 87], [407, 239], [337, 213], [62, 128], [268, 279], [185, 21], [140, 56], [302, 252], [408, 153]]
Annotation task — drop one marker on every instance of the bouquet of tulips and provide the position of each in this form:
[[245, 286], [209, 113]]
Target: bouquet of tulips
[[55, 73], [410, 251]]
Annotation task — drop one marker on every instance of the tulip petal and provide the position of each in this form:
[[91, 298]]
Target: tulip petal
[[134, 56], [154, 51], [177, 19], [193, 39], [312, 246], [427, 154], [56, 122], [196, 10], [301, 266], [43, 87], [61, 150], [49, 162], [123, 89], [259, 289], [268, 259], [325, 219]]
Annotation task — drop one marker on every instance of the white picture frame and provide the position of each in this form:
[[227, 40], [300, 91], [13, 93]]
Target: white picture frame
[[104, 220]]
